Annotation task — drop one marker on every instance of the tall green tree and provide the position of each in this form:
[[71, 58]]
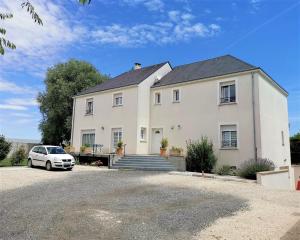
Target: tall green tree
[[63, 81], [4, 147]]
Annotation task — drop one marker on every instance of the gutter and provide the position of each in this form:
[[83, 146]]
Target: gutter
[[73, 120], [253, 116]]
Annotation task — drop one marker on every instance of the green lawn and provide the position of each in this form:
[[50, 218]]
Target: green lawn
[[7, 163]]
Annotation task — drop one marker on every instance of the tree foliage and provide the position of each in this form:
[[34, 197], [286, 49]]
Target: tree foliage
[[5, 43], [295, 148], [18, 156], [63, 81], [4, 147]]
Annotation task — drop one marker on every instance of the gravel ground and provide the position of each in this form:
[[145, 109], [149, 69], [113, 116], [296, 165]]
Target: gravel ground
[[92, 203]]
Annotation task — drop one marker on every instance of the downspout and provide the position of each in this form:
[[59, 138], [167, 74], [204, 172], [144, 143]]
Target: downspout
[[73, 120], [253, 115]]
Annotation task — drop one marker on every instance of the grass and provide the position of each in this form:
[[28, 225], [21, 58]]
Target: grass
[[7, 163]]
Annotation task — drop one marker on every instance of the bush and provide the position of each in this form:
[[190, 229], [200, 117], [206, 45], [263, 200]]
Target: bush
[[4, 147], [120, 144], [251, 167], [200, 156], [164, 143], [226, 170], [176, 151], [18, 156]]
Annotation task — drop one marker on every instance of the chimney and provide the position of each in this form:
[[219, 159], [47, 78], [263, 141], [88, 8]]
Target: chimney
[[137, 66]]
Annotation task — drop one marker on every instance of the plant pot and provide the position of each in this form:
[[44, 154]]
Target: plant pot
[[119, 151], [163, 152]]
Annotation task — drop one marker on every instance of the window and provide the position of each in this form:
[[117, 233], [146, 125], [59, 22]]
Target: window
[[176, 97], [117, 136], [228, 94], [55, 150], [157, 99], [88, 139], [228, 136], [42, 150], [282, 138], [143, 134], [89, 106], [118, 99]]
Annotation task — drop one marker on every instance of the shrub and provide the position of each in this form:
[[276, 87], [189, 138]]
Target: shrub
[[4, 147], [164, 143], [176, 151], [226, 170], [18, 156], [251, 167], [200, 156]]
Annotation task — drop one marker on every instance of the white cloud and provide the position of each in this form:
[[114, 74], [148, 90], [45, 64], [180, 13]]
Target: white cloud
[[37, 46], [22, 101], [12, 107], [10, 87], [151, 5], [178, 27]]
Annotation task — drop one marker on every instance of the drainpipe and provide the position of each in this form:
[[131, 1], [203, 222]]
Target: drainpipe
[[253, 115]]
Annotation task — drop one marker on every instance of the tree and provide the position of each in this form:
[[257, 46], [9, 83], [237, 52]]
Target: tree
[[18, 155], [30, 8], [4, 147], [295, 148], [63, 81]]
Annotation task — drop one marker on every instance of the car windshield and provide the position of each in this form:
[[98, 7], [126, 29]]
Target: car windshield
[[55, 150]]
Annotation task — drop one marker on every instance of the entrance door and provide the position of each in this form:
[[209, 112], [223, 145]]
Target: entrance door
[[157, 135], [117, 136]]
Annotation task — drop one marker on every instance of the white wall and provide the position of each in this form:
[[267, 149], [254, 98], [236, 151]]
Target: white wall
[[107, 116], [144, 104], [273, 118], [199, 114], [275, 179]]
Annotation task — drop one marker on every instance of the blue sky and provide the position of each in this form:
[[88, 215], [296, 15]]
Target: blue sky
[[114, 34]]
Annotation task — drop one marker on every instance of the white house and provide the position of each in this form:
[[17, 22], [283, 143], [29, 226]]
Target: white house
[[239, 107]]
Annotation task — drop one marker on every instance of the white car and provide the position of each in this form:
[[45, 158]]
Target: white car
[[50, 157]]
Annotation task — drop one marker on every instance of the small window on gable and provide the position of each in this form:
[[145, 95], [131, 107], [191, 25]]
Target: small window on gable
[[228, 136], [282, 138], [157, 99], [118, 99], [143, 134], [176, 95], [89, 106], [228, 93]]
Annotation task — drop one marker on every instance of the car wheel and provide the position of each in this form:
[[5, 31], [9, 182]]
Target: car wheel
[[48, 166], [29, 163]]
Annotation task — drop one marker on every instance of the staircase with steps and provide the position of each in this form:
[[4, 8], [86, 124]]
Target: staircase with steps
[[144, 162]]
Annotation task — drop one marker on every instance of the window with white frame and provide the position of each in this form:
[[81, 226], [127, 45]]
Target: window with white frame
[[143, 134], [88, 139], [117, 136], [118, 99], [228, 92], [157, 98], [89, 106], [228, 136], [176, 95]]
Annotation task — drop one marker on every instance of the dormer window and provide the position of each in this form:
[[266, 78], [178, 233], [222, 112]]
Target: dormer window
[[89, 106], [118, 99]]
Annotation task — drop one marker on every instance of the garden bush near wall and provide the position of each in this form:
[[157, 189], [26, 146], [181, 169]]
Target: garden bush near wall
[[18, 156], [251, 167], [200, 156], [4, 147]]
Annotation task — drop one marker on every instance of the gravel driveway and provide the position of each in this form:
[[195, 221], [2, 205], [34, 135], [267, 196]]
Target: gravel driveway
[[92, 203]]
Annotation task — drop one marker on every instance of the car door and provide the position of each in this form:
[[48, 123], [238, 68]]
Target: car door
[[35, 156], [42, 156]]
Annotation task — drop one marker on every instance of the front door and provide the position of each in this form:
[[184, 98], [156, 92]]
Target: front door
[[117, 136], [157, 135]]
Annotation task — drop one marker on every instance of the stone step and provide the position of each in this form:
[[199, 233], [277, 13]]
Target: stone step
[[144, 168]]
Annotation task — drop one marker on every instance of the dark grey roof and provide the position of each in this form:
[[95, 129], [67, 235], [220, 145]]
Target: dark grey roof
[[133, 77], [204, 69]]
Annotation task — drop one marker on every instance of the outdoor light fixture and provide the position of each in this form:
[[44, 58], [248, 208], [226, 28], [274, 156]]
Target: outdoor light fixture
[[102, 127]]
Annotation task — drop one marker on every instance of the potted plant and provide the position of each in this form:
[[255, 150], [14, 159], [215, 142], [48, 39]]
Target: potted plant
[[86, 149], [163, 147], [119, 150]]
